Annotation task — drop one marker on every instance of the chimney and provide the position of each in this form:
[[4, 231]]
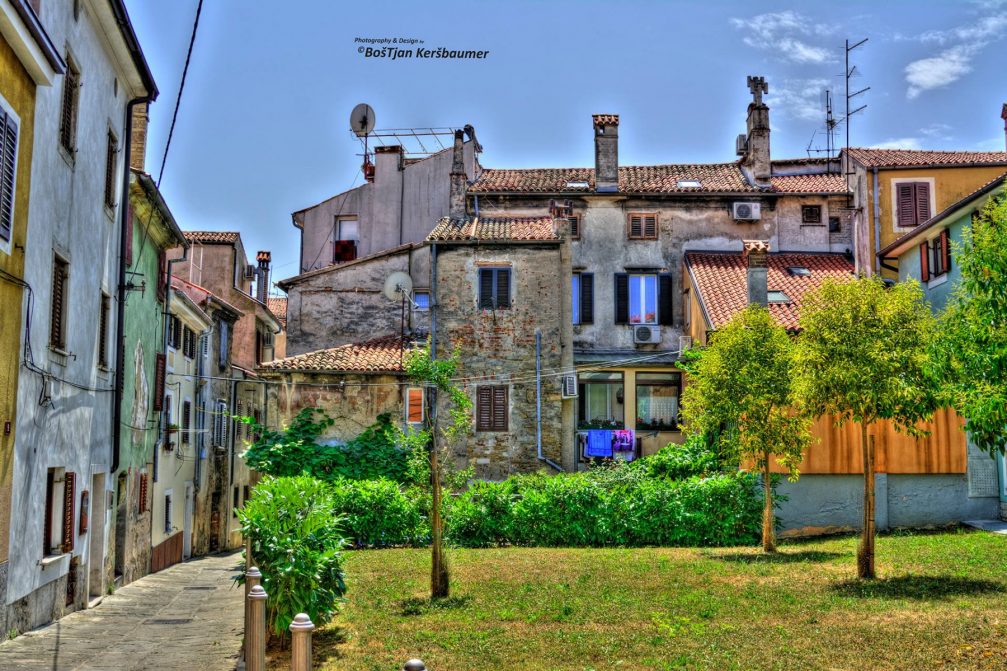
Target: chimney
[[1003, 115], [756, 253], [138, 138], [606, 153], [387, 160], [456, 201], [262, 285], [756, 158]]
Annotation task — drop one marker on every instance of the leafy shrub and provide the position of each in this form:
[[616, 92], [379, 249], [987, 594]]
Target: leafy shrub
[[379, 513], [694, 457], [296, 542]]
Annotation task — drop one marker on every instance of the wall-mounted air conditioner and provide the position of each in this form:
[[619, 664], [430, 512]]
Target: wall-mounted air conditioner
[[569, 386], [741, 144], [646, 335], [745, 211], [249, 272]]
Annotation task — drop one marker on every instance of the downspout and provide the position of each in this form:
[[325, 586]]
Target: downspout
[[877, 223], [402, 195], [433, 300], [538, 402]]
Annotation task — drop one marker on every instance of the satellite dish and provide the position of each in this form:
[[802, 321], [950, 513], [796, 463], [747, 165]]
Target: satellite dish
[[362, 119], [397, 285]]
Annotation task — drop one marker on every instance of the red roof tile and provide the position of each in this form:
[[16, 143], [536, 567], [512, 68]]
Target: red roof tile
[[380, 355], [225, 237], [814, 183], [278, 306], [713, 177], [721, 282], [898, 158], [605, 119], [483, 229]]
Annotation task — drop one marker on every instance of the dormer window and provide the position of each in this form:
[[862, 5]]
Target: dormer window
[[578, 184], [799, 271], [689, 184], [777, 297]]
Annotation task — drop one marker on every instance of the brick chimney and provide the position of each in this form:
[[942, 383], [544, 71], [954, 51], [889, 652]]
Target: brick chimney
[[138, 139], [756, 158], [1003, 115], [606, 153], [262, 284], [756, 254], [456, 200]]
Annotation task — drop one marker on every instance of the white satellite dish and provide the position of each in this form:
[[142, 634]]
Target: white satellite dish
[[397, 285], [362, 119]]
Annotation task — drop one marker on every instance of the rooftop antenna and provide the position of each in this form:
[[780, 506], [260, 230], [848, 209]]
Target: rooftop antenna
[[830, 132], [850, 73], [362, 123], [399, 287]]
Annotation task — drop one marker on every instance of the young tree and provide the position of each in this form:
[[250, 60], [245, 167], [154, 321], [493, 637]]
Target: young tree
[[973, 350], [863, 356], [437, 375], [741, 381]]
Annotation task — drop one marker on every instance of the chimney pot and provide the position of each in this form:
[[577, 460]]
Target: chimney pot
[[756, 253], [262, 284], [606, 152], [458, 187], [1003, 115], [757, 157]]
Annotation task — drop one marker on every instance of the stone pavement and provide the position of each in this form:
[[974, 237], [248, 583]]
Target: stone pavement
[[186, 617]]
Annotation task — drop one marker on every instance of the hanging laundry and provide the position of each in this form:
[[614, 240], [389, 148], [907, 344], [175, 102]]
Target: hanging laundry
[[624, 443], [599, 443]]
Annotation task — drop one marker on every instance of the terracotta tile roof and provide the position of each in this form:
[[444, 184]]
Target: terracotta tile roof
[[605, 119], [225, 237], [485, 229], [892, 158], [721, 282], [380, 355], [808, 183], [632, 179], [278, 306]]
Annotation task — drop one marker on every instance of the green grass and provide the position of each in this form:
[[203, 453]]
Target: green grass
[[941, 603]]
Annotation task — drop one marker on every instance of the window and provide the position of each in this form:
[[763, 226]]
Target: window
[[600, 401], [935, 257], [421, 300], [777, 297], [912, 203], [574, 227], [235, 501], [57, 315], [657, 397], [799, 271], [167, 511], [141, 503], [188, 343], [68, 113], [8, 171], [159, 370], [246, 493], [414, 405], [491, 408], [811, 214], [494, 288], [186, 421], [642, 225], [166, 420], [347, 237], [175, 332], [162, 279], [583, 298], [219, 423], [687, 299], [834, 225], [111, 149], [643, 298], [223, 345], [689, 184], [103, 314], [59, 512]]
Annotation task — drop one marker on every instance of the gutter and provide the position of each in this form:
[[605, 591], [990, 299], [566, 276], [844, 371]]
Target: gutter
[[133, 44]]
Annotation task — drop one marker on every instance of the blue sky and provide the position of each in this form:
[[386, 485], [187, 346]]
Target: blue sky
[[262, 129]]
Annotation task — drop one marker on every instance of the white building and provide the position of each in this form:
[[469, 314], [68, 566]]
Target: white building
[[64, 449]]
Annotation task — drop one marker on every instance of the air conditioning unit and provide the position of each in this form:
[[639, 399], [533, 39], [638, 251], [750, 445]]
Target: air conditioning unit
[[569, 386], [684, 343], [249, 272], [745, 211], [646, 335], [741, 144]]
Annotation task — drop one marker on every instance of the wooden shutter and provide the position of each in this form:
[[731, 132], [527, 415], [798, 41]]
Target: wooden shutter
[[110, 152], [650, 226], [222, 344], [166, 423], [906, 205], [176, 333], [586, 298], [69, 499], [621, 298], [665, 302], [484, 408], [8, 168], [162, 268], [500, 413], [127, 253], [71, 85], [574, 227], [141, 504], [486, 288], [186, 419], [56, 331], [635, 226], [159, 364], [946, 249], [924, 262], [503, 288], [922, 202], [414, 405], [103, 332]]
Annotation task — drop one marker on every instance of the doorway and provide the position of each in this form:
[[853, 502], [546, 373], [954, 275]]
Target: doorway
[[187, 523], [96, 546], [120, 525]]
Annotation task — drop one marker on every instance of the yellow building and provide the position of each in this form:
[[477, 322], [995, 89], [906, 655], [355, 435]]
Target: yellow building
[[895, 190], [28, 59]]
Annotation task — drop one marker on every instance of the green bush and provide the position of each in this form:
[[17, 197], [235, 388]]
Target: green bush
[[379, 513], [694, 457], [295, 542]]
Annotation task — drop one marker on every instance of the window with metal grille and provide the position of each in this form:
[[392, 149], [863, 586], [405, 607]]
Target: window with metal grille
[[491, 408], [641, 225], [494, 288], [112, 149], [159, 371], [68, 112], [186, 420], [811, 214], [57, 314], [8, 169], [103, 315]]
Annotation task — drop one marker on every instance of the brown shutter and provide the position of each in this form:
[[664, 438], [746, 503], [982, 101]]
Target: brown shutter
[[484, 408], [159, 364], [635, 226], [924, 262], [128, 251], [162, 268], [82, 524], [69, 499], [103, 332], [503, 288], [486, 288], [665, 301], [141, 504], [922, 202], [650, 226], [71, 84], [110, 171], [8, 167], [414, 404], [621, 298], [186, 418], [575, 227], [176, 332], [906, 205], [946, 249], [500, 408], [586, 298], [59, 273]]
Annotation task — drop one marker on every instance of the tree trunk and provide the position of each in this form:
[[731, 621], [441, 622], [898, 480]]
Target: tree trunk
[[439, 584], [768, 519], [865, 553]]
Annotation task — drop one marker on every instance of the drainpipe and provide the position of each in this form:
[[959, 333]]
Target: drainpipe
[[433, 300], [877, 223], [538, 401]]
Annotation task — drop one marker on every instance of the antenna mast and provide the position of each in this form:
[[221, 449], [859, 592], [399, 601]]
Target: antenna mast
[[850, 72]]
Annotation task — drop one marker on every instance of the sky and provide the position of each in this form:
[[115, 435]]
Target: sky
[[263, 124]]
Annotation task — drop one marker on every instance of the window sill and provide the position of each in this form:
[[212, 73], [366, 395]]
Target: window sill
[[803, 224], [109, 212], [58, 356], [937, 281], [49, 560], [69, 156]]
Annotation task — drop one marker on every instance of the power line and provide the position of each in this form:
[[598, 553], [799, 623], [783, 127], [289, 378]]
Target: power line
[[181, 87]]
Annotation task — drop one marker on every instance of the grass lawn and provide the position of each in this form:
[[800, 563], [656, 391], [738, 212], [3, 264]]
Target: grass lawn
[[941, 604]]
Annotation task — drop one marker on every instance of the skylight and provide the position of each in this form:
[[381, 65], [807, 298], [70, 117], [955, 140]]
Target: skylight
[[799, 271], [777, 297], [577, 185], [689, 184]]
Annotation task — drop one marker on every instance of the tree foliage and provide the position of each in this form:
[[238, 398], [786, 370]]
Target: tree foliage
[[973, 350], [741, 384]]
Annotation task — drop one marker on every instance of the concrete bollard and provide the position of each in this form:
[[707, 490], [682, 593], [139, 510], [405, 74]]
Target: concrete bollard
[[255, 637], [414, 665], [300, 642], [252, 578]]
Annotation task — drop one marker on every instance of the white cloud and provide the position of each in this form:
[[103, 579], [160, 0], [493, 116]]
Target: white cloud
[[937, 130], [899, 143], [800, 98], [945, 68], [986, 28], [782, 32]]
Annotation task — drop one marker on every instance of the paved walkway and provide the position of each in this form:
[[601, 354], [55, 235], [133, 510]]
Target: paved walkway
[[186, 617], [996, 526]]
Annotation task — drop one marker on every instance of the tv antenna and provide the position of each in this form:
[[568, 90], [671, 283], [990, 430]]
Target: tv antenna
[[399, 287], [850, 73], [362, 123], [830, 132]]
